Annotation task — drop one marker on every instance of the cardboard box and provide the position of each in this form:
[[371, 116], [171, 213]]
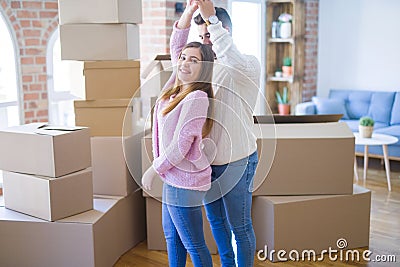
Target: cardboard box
[[294, 159], [311, 222], [304, 159], [155, 233], [100, 11], [112, 79], [49, 151], [147, 159], [153, 79], [105, 117], [47, 198], [93, 238], [116, 164], [99, 42]]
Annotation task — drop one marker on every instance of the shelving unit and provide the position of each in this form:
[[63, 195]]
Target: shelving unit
[[278, 48]]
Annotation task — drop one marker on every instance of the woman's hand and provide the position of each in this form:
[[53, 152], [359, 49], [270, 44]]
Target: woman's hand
[[148, 178], [191, 6]]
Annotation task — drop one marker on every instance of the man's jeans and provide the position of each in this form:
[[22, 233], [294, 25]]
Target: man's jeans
[[228, 209], [183, 227]]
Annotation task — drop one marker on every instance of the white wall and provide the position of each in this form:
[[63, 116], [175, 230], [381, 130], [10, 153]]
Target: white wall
[[359, 45]]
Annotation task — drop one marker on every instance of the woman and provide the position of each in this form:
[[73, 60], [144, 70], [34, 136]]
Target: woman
[[181, 120]]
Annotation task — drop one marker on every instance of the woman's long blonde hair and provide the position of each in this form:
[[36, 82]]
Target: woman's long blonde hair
[[203, 83]]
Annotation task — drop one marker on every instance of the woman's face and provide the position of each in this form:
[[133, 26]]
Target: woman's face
[[189, 65]]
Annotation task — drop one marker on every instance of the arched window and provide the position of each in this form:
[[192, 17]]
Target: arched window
[[9, 104], [65, 83]]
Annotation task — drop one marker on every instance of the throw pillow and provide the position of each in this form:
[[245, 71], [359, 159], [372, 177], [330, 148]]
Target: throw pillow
[[330, 106]]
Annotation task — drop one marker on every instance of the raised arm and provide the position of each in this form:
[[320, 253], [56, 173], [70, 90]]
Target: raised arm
[[179, 36], [226, 51]]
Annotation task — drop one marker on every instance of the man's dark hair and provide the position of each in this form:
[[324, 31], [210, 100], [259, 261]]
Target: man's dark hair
[[222, 15]]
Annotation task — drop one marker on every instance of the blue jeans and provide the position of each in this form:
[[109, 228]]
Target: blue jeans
[[228, 209], [182, 222]]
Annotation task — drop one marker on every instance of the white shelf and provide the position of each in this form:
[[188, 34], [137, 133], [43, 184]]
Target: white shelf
[[281, 79], [281, 40]]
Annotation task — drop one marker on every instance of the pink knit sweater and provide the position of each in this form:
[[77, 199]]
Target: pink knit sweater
[[177, 143]]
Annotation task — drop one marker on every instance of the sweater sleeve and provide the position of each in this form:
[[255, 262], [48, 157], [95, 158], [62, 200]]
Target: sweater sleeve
[[178, 40], [154, 131], [228, 54], [192, 117], [176, 43]]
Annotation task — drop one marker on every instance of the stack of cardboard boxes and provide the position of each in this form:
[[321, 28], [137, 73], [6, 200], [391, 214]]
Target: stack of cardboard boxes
[[70, 227], [105, 35], [48, 213], [304, 198]]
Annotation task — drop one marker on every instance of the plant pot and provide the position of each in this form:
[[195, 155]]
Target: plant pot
[[365, 131], [286, 71], [284, 109]]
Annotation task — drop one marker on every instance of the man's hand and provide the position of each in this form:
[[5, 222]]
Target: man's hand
[[206, 8], [148, 178]]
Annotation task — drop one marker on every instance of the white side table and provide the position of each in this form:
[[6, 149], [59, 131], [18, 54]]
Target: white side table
[[377, 140]]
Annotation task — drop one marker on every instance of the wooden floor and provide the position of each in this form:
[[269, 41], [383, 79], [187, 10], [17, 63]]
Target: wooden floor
[[384, 234]]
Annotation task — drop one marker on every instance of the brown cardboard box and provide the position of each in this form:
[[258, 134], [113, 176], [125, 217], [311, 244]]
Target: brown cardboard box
[[105, 117], [147, 159], [153, 79], [311, 222], [94, 238], [112, 79], [155, 233], [99, 42], [304, 159], [38, 150], [309, 159], [100, 11], [116, 164], [47, 198]]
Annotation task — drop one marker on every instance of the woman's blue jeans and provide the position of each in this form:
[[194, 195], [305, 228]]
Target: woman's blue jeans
[[182, 222], [228, 209]]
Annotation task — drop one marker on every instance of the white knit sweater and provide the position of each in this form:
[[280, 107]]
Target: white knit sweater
[[236, 82]]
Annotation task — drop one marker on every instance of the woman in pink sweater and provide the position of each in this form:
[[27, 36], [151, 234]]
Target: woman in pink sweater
[[180, 122]]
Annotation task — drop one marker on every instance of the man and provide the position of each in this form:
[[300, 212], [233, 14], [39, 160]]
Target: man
[[236, 81]]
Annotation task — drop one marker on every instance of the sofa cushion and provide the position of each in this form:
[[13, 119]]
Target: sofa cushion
[[358, 104], [380, 107], [330, 106], [353, 124], [391, 130], [395, 118]]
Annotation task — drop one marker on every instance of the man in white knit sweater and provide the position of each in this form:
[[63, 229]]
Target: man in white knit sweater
[[236, 82]]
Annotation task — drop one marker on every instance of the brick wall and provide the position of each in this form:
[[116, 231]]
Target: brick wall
[[32, 23], [311, 50]]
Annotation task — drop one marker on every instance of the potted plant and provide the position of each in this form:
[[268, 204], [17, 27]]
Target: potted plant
[[278, 72], [287, 67], [366, 127], [283, 102]]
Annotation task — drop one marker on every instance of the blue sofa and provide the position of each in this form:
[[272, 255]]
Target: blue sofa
[[383, 107]]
